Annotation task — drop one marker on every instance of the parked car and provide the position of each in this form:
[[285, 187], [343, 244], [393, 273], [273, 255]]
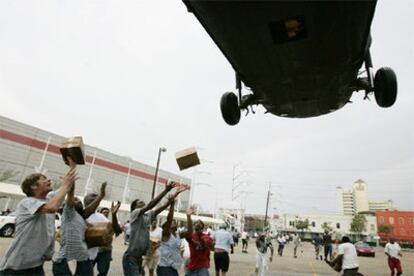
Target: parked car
[[7, 225], [363, 249]]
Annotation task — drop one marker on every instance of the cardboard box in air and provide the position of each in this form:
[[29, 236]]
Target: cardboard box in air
[[187, 158], [74, 148]]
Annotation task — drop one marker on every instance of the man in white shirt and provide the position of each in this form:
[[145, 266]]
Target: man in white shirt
[[263, 243], [245, 238], [153, 255], [296, 242], [281, 240], [348, 255], [102, 256], [223, 244], [393, 251]]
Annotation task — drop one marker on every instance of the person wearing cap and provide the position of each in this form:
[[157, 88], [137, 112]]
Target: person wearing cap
[[348, 256], [35, 224], [393, 251]]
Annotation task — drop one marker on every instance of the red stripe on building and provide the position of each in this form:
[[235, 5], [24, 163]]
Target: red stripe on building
[[27, 141]]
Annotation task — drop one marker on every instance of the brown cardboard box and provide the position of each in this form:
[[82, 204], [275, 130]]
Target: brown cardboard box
[[99, 234], [187, 158], [73, 147]]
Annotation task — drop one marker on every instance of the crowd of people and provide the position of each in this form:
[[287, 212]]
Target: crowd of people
[[162, 250]]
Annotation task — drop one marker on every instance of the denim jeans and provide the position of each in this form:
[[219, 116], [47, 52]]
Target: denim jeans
[[103, 261], [328, 252], [166, 271], [83, 268], [131, 267], [198, 272], [35, 271]]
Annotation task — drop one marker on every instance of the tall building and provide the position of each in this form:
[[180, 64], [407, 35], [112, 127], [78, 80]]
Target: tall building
[[380, 205], [26, 149], [355, 200]]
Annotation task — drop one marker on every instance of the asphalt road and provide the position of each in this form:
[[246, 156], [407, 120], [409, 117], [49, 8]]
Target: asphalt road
[[243, 264]]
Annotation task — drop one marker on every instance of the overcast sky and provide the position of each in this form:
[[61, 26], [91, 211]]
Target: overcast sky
[[130, 76]]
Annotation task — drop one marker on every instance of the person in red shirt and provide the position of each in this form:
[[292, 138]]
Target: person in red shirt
[[200, 246]]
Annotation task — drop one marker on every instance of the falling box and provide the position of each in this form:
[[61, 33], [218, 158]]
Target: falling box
[[73, 147], [187, 158]]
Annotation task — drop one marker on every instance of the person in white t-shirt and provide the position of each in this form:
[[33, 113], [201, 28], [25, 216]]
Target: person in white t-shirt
[[282, 241], [348, 255], [245, 238], [393, 251], [153, 256]]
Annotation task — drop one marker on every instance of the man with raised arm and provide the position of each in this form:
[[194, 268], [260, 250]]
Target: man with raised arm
[[200, 246], [170, 248], [102, 256], [139, 241], [35, 225], [73, 244]]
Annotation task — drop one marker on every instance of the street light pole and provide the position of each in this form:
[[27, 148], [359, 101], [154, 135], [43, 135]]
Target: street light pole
[[156, 170]]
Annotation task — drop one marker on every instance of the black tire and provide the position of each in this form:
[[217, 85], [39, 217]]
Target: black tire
[[385, 87], [230, 108], [7, 230]]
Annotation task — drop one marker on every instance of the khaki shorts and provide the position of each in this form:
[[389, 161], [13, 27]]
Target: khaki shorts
[[150, 261]]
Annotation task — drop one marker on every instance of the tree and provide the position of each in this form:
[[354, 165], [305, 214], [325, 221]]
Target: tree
[[358, 224], [326, 226], [302, 224], [386, 229]]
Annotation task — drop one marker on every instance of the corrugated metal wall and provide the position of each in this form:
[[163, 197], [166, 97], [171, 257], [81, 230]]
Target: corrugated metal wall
[[22, 147]]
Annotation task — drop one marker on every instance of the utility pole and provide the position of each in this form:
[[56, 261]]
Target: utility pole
[[233, 186], [267, 205]]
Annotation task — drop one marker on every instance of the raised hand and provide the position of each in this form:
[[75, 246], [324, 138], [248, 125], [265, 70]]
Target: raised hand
[[190, 211], [180, 189], [170, 185], [115, 207], [70, 177], [103, 190]]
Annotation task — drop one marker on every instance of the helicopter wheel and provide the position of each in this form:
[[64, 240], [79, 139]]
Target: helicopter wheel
[[385, 87], [230, 108]]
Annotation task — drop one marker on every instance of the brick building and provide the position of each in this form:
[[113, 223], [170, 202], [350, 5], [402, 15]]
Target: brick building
[[399, 224]]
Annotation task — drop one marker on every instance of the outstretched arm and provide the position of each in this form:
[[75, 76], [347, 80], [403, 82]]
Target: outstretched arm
[[115, 225], [166, 230], [91, 208], [52, 206], [189, 231], [157, 199], [172, 198]]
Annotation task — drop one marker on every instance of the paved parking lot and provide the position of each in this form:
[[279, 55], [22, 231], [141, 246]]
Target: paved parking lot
[[242, 264]]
